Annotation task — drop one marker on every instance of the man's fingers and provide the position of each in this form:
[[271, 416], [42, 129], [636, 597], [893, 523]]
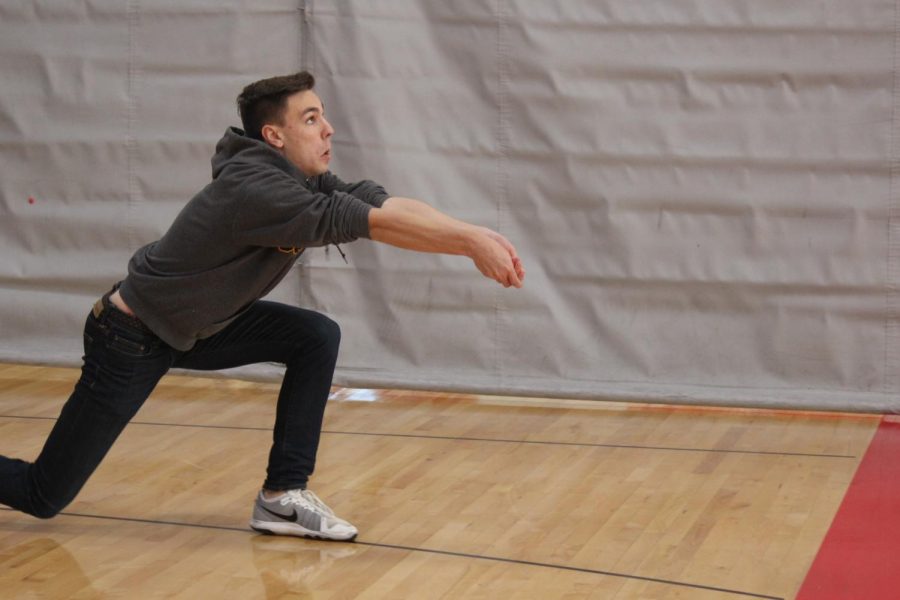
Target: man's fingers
[[514, 279], [520, 270]]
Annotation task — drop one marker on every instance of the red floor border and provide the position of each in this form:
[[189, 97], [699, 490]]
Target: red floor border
[[860, 556]]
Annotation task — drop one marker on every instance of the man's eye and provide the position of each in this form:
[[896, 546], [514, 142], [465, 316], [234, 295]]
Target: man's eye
[[311, 121]]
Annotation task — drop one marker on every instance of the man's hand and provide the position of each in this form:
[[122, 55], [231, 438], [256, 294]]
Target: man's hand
[[496, 258]]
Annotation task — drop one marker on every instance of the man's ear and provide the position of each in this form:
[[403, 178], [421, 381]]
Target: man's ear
[[272, 136]]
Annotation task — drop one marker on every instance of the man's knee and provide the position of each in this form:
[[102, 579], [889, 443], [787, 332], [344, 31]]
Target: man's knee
[[328, 333], [45, 510], [313, 335], [21, 490], [45, 499]]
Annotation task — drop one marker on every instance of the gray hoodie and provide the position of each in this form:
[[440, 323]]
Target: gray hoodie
[[238, 237]]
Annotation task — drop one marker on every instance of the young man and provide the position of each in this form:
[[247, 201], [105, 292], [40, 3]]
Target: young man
[[192, 300]]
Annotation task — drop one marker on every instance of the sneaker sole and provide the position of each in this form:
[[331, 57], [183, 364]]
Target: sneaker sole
[[270, 528]]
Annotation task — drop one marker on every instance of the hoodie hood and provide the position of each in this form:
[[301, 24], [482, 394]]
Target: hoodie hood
[[237, 148]]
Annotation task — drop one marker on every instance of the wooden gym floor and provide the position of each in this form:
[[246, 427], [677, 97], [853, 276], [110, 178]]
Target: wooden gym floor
[[455, 496]]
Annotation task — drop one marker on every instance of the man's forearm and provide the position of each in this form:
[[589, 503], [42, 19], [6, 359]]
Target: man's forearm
[[414, 225]]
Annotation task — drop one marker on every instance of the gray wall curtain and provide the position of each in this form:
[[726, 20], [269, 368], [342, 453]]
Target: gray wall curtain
[[705, 193]]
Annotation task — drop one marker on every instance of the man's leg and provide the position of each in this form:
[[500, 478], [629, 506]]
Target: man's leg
[[122, 364], [307, 343]]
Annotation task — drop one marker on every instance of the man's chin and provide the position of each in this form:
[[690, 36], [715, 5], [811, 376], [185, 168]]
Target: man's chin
[[320, 170]]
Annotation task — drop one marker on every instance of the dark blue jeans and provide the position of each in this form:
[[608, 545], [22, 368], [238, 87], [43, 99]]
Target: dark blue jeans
[[123, 361]]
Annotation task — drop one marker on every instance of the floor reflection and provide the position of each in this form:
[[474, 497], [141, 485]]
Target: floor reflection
[[287, 565], [43, 568]]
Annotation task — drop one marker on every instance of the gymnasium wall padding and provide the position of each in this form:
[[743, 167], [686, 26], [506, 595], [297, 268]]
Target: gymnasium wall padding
[[704, 192]]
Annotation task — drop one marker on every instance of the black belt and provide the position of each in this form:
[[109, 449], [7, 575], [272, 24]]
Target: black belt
[[113, 313]]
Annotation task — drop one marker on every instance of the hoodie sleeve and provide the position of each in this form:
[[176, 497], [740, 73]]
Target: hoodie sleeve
[[368, 191], [274, 209]]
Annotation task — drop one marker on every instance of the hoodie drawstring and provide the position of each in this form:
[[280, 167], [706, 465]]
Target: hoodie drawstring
[[344, 256]]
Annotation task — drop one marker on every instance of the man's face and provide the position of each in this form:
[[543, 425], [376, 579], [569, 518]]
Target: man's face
[[304, 136]]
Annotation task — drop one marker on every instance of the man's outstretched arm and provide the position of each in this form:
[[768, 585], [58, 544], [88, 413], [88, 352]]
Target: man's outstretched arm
[[414, 225]]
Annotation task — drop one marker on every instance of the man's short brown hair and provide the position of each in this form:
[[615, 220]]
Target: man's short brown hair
[[264, 101]]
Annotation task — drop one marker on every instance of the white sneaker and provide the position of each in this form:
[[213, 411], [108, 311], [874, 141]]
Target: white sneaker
[[302, 513]]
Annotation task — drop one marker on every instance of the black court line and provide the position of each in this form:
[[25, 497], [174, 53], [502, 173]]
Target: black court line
[[475, 439], [500, 559], [592, 445]]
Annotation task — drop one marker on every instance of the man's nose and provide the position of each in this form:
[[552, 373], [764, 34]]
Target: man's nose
[[329, 130]]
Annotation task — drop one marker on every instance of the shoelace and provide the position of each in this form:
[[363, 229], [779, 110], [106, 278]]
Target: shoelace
[[306, 499], [310, 496]]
